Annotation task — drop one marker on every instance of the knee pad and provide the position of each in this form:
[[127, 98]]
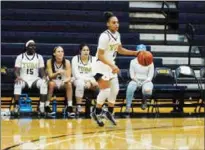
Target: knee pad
[[79, 91], [18, 87], [103, 95], [114, 89], [43, 86]]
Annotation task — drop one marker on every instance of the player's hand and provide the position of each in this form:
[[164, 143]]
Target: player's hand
[[94, 82], [136, 53], [46, 78], [146, 81], [87, 84], [115, 69], [67, 80], [61, 71], [18, 80]]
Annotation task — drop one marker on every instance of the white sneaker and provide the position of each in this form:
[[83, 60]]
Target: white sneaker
[[71, 114], [41, 109], [79, 108], [16, 109]]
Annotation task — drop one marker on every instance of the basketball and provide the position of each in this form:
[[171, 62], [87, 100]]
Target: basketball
[[145, 58]]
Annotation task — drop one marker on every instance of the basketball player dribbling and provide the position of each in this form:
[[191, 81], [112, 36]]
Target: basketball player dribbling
[[105, 70]]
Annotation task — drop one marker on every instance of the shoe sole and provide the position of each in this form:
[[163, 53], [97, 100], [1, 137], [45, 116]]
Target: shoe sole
[[114, 123], [98, 123]]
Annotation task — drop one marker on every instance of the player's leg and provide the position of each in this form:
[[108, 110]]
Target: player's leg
[[18, 87], [147, 93], [104, 91], [131, 88], [79, 92], [94, 84], [69, 96], [114, 89], [42, 85], [51, 87]]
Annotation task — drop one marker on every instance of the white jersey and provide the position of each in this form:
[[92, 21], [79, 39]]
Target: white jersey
[[81, 70], [57, 68], [29, 65], [139, 72], [109, 42]]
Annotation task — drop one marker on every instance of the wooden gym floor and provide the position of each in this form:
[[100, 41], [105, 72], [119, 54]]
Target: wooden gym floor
[[137, 133]]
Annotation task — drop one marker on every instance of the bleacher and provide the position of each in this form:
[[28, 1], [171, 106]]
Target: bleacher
[[70, 23], [194, 13]]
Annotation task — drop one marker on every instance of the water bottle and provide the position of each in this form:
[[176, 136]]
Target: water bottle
[[54, 105]]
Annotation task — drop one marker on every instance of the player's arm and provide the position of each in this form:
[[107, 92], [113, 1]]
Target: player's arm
[[42, 72], [102, 46], [102, 58], [17, 72], [132, 71], [51, 75], [124, 51], [17, 68], [67, 71], [151, 72], [75, 71], [42, 68]]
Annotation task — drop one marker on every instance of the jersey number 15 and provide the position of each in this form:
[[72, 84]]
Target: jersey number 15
[[30, 71]]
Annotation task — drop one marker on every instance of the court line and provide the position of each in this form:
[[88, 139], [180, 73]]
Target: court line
[[72, 138], [154, 146], [64, 135], [69, 139]]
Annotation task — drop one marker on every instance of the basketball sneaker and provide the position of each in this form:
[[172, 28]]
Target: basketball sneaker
[[110, 117], [69, 111], [144, 104], [97, 119], [49, 111]]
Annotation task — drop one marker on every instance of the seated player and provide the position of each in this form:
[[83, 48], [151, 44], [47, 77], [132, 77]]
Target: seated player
[[82, 73], [141, 73], [28, 65], [59, 72]]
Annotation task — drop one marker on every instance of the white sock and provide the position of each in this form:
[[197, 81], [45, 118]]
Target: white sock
[[47, 103], [42, 104], [70, 103]]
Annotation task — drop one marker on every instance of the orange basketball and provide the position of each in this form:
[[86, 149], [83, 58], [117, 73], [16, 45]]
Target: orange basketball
[[145, 58]]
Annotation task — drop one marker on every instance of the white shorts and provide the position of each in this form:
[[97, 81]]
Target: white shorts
[[105, 70], [30, 81], [59, 83]]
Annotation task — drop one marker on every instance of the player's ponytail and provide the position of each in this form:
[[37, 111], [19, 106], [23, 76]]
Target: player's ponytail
[[108, 15], [53, 59]]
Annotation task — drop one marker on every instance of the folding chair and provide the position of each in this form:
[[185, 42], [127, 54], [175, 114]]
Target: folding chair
[[202, 81], [186, 72], [163, 81]]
